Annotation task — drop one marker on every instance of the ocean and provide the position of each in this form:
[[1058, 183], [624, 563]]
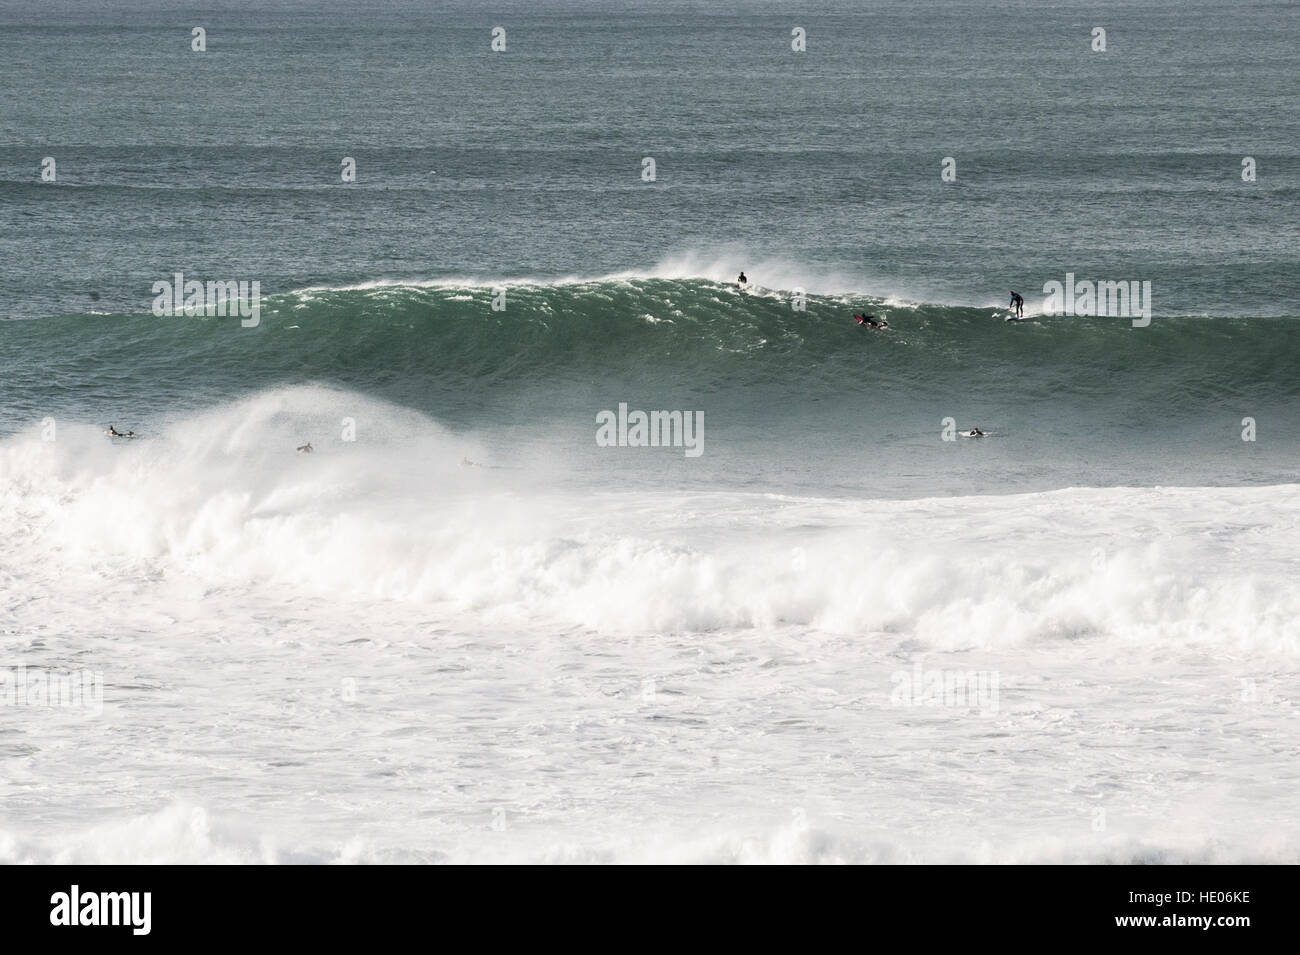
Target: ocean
[[797, 616]]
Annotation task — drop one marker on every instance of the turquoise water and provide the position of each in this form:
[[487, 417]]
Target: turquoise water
[[817, 170], [1066, 401]]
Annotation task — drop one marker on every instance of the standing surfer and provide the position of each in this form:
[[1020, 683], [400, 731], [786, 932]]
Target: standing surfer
[[1018, 304]]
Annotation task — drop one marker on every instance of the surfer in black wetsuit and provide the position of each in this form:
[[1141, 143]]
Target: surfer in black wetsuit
[[870, 321], [113, 432], [976, 432], [1018, 303], [742, 281]]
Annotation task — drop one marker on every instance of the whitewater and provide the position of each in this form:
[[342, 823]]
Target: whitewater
[[416, 646]]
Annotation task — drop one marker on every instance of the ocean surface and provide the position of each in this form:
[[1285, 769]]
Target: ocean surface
[[466, 628]]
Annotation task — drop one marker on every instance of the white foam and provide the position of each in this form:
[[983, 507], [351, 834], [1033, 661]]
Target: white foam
[[767, 275], [374, 653], [181, 833], [222, 499]]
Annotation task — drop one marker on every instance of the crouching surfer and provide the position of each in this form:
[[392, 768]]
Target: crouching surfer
[[871, 322]]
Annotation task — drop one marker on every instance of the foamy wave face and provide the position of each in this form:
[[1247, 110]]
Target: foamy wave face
[[408, 513], [182, 833]]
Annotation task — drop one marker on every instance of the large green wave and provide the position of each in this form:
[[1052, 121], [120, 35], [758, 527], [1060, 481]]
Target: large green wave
[[672, 334]]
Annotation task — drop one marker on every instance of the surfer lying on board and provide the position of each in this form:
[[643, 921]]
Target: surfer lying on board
[[870, 321], [1018, 304], [976, 432], [114, 433]]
